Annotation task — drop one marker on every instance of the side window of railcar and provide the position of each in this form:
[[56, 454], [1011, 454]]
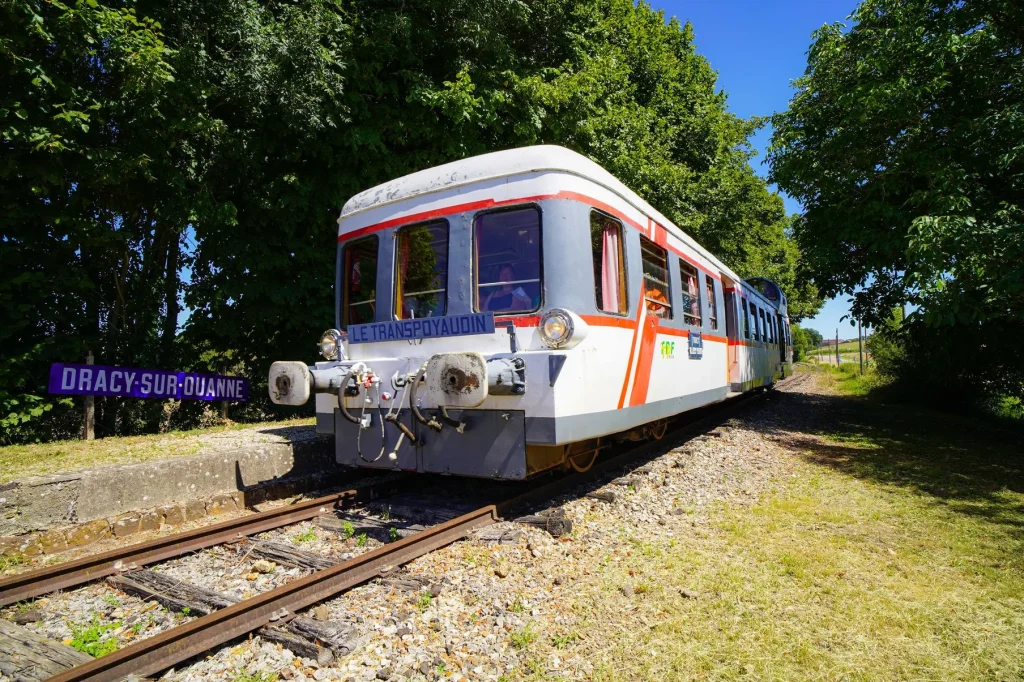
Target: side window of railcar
[[508, 260], [746, 318], [757, 328], [691, 293], [609, 263], [421, 264], [359, 300], [712, 304], [656, 287], [764, 326]]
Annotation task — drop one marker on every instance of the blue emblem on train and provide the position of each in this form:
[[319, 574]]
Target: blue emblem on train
[[424, 328], [696, 346]]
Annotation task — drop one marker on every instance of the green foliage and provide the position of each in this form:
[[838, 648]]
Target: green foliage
[[8, 561], [523, 638], [801, 343], [562, 641], [92, 638], [307, 535], [361, 540], [905, 144], [186, 155], [347, 529], [392, 533], [424, 601]]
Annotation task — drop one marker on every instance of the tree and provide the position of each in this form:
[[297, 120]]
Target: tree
[[187, 155], [905, 144], [89, 238]]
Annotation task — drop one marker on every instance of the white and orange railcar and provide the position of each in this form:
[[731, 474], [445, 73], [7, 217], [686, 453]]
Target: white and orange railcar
[[509, 313]]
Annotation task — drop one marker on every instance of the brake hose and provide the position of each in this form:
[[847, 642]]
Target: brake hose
[[433, 423], [341, 397], [359, 433]]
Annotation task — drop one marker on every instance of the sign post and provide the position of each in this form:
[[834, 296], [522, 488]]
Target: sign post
[[89, 417]]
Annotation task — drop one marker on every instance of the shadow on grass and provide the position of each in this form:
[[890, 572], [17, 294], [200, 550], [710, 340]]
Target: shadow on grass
[[963, 463]]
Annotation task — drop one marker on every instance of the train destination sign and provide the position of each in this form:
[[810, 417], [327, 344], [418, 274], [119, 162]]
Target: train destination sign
[[424, 328], [131, 382]]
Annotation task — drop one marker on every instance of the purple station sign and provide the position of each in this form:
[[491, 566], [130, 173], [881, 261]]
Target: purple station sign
[[130, 382]]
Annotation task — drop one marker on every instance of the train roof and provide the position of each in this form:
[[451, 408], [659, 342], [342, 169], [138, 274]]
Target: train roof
[[512, 162]]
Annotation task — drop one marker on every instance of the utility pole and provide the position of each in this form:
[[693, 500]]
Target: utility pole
[[89, 414], [838, 359], [860, 349]]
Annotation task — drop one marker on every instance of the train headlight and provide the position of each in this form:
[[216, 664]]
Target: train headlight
[[560, 328], [331, 344]]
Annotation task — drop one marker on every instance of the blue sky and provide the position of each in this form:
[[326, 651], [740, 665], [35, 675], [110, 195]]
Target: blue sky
[[758, 47]]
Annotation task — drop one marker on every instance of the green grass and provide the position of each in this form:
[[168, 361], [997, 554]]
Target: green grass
[[246, 676], [20, 461], [895, 553], [307, 535], [91, 640], [523, 638]]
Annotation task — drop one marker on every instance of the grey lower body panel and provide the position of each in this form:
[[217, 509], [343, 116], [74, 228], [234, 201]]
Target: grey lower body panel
[[562, 430], [493, 445]]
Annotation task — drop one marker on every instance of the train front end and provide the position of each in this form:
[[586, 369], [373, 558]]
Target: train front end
[[444, 353]]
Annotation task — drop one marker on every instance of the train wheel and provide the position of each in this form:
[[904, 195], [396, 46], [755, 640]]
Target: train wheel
[[582, 461], [657, 431]]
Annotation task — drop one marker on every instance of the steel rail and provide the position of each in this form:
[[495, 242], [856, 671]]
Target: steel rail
[[69, 574], [181, 643]]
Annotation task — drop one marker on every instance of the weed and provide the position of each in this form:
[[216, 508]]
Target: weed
[[111, 600], [562, 641], [534, 666], [517, 605], [347, 529], [641, 588], [246, 676], [185, 610], [361, 540], [10, 561], [138, 627], [441, 669], [386, 515], [424, 602], [90, 640], [392, 533], [305, 536], [523, 638]]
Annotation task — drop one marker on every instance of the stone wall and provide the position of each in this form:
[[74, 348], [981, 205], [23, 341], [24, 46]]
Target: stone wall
[[45, 514]]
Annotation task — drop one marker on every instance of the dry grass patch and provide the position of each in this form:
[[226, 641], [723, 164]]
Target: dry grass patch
[[895, 553], [20, 461]]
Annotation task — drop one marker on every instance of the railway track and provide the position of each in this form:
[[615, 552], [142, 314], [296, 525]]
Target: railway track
[[275, 613]]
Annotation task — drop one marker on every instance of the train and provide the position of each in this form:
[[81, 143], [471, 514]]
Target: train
[[521, 311]]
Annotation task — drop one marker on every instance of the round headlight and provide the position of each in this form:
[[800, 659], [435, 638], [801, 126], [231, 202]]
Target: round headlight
[[330, 344], [556, 328]]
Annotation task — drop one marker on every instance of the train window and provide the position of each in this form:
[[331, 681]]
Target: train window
[[421, 261], [359, 302], [764, 326], [656, 287], [757, 328], [746, 318], [609, 263], [691, 293], [712, 304], [508, 260]]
